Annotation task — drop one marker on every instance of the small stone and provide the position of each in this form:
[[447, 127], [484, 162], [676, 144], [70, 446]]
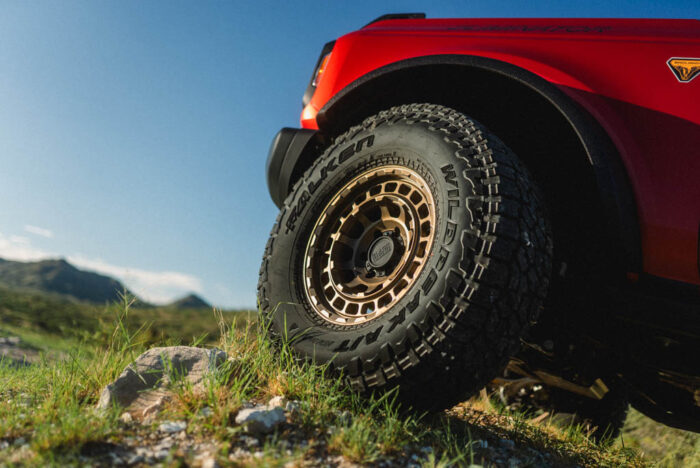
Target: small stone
[[262, 420], [238, 453], [292, 406], [482, 444], [209, 463], [345, 418], [206, 412], [126, 418], [20, 441], [166, 443], [514, 463], [116, 459], [161, 454], [277, 402], [509, 444], [249, 441], [170, 427], [134, 459]]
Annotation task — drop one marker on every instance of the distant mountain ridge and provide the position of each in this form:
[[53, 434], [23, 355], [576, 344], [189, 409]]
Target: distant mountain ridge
[[191, 301], [57, 276]]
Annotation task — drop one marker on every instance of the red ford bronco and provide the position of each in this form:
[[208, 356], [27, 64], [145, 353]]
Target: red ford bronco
[[502, 202]]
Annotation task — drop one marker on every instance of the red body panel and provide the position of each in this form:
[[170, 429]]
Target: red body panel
[[616, 69]]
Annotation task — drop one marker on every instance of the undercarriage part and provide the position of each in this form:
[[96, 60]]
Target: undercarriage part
[[647, 343], [597, 390], [600, 410]]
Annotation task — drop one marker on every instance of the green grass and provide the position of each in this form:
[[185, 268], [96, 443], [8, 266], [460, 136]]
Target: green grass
[[50, 405], [668, 447], [38, 317]]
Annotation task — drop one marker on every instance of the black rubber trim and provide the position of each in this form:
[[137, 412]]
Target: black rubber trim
[[286, 148], [394, 16], [613, 183]]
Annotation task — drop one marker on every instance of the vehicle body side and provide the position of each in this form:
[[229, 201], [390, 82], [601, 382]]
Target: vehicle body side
[[604, 75]]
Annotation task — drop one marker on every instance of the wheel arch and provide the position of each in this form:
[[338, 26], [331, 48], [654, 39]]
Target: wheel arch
[[510, 100]]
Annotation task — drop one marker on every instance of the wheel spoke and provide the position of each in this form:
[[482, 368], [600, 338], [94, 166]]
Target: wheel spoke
[[343, 239], [342, 265]]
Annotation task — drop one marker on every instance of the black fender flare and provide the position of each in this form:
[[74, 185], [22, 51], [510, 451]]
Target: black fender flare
[[614, 187]]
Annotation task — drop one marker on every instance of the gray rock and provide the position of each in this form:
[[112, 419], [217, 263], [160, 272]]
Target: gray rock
[[134, 459], [170, 427], [260, 420], [155, 370]]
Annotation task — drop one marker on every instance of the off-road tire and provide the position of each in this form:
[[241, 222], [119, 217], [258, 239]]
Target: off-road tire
[[482, 285]]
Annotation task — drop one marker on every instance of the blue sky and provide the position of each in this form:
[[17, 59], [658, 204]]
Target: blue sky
[[133, 134]]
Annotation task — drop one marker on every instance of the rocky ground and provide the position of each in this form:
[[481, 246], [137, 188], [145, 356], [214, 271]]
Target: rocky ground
[[268, 433], [269, 436], [173, 406]]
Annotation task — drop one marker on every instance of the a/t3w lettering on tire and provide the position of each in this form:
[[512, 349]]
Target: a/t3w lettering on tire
[[414, 252]]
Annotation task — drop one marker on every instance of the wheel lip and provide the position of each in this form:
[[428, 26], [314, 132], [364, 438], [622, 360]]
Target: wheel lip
[[340, 199]]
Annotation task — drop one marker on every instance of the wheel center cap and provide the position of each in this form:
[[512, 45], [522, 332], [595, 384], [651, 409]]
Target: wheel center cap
[[381, 252]]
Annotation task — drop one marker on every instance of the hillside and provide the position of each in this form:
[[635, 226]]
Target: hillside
[[58, 318], [59, 277]]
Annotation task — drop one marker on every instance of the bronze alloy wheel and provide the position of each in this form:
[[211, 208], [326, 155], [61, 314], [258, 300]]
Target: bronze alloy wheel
[[369, 245]]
